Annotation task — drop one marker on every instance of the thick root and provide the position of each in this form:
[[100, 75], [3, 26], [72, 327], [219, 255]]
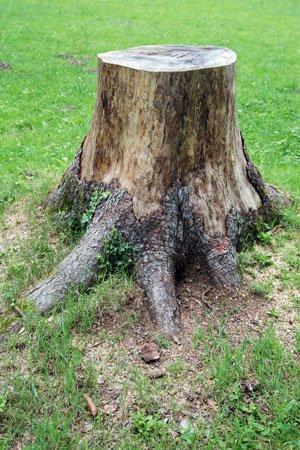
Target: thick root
[[156, 277], [183, 184], [222, 261], [80, 267], [166, 241]]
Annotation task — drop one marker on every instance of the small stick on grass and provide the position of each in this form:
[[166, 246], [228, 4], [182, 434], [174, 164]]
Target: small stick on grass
[[19, 311]]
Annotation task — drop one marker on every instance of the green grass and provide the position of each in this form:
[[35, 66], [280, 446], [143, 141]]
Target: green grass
[[38, 135], [48, 397], [46, 106], [55, 378]]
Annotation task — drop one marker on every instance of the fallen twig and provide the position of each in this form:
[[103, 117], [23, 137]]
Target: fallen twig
[[203, 297], [19, 311]]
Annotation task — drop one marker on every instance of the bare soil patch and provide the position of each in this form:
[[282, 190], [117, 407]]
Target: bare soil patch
[[72, 60], [4, 66], [117, 355], [173, 382], [15, 228]]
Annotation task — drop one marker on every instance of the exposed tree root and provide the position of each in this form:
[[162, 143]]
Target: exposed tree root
[[80, 267], [165, 242], [165, 141], [222, 263], [156, 276]]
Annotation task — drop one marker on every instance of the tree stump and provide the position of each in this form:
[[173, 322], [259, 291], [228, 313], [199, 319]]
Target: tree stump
[[165, 142]]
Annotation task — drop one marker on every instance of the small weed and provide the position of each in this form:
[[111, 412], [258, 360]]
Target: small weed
[[265, 238], [4, 398], [147, 425], [273, 313], [116, 256], [295, 299], [178, 367], [263, 259], [289, 278], [163, 341], [96, 198], [290, 218], [71, 227], [188, 434], [293, 259], [142, 386], [255, 258], [198, 337], [263, 288]]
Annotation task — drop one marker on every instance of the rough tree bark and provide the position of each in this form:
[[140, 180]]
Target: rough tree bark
[[165, 142]]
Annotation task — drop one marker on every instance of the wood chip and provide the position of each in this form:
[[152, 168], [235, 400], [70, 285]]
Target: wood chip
[[150, 352]]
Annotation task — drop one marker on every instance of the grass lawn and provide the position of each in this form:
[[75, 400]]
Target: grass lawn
[[233, 382]]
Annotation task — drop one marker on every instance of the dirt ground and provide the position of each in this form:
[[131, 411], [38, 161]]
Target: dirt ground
[[114, 344]]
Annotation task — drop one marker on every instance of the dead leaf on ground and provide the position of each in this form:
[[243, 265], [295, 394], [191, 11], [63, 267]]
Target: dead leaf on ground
[[212, 404], [250, 386], [91, 405]]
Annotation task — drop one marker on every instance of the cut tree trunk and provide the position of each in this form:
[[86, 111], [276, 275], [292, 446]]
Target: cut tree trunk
[[165, 142]]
